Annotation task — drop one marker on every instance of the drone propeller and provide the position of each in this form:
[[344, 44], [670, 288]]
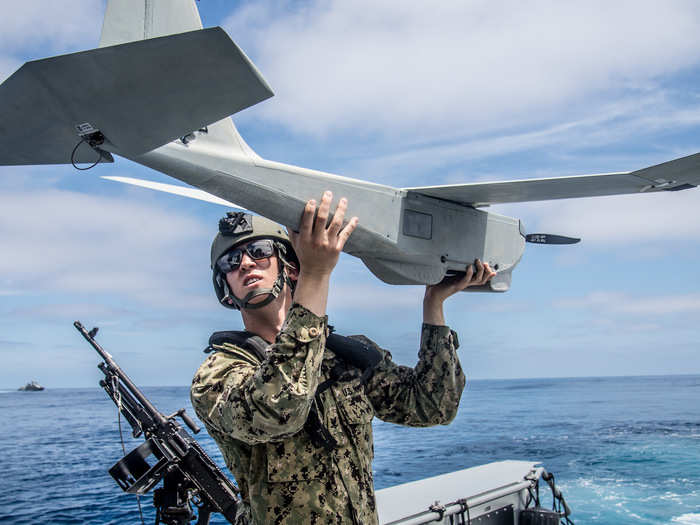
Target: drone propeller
[[546, 238]]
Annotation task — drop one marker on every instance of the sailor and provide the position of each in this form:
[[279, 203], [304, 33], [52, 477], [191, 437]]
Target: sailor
[[291, 405]]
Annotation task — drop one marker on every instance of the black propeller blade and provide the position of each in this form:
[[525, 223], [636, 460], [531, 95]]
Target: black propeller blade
[[546, 238]]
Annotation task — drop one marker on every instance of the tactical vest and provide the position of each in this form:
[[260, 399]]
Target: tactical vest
[[351, 353]]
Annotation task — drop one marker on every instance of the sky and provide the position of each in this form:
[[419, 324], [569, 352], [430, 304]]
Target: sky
[[405, 95]]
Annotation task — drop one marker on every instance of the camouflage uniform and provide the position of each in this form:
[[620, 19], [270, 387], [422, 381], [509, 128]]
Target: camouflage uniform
[[256, 412]]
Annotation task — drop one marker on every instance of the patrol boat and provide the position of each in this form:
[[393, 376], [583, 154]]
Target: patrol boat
[[32, 386]]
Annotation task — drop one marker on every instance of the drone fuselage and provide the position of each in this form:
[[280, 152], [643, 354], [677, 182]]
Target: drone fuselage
[[403, 238]]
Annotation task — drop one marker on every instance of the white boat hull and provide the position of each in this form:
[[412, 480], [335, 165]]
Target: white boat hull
[[494, 493]]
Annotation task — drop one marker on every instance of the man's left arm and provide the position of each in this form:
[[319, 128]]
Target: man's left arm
[[428, 394]]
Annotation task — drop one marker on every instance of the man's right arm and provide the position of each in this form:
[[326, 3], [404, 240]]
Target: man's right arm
[[257, 403]]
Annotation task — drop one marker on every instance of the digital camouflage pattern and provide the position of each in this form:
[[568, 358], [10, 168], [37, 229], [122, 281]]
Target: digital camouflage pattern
[[256, 412]]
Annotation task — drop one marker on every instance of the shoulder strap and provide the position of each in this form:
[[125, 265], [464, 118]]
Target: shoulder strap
[[244, 339], [351, 350]]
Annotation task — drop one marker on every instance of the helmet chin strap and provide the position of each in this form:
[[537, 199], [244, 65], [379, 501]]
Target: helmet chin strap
[[272, 293]]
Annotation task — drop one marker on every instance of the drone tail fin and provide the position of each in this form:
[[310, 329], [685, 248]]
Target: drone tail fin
[[156, 77], [132, 20]]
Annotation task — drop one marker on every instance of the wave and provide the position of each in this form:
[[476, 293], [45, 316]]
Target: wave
[[687, 519], [664, 427]]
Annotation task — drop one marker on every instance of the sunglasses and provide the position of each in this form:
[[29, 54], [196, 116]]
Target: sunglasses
[[260, 249]]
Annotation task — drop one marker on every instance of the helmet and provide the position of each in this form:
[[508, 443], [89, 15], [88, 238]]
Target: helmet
[[239, 228]]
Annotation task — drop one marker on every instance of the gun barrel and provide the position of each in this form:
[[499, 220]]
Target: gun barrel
[[114, 367]]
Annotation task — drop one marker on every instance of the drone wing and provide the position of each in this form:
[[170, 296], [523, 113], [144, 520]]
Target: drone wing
[[678, 174], [176, 189]]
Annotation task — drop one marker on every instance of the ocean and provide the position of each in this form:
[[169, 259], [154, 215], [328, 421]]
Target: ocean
[[624, 450]]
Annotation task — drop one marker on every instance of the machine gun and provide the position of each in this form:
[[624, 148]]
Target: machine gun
[[190, 477]]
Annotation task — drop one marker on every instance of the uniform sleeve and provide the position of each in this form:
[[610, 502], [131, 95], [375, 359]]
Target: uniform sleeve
[[426, 395], [257, 402]]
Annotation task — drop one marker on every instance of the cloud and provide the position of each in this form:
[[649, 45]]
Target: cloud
[[4, 343], [62, 312], [69, 242], [622, 220], [567, 143], [619, 303], [56, 25], [397, 68], [374, 296], [8, 65], [36, 29]]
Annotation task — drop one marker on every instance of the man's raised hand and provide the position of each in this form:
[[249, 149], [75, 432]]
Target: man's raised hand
[[318, 245], [477, 274]]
